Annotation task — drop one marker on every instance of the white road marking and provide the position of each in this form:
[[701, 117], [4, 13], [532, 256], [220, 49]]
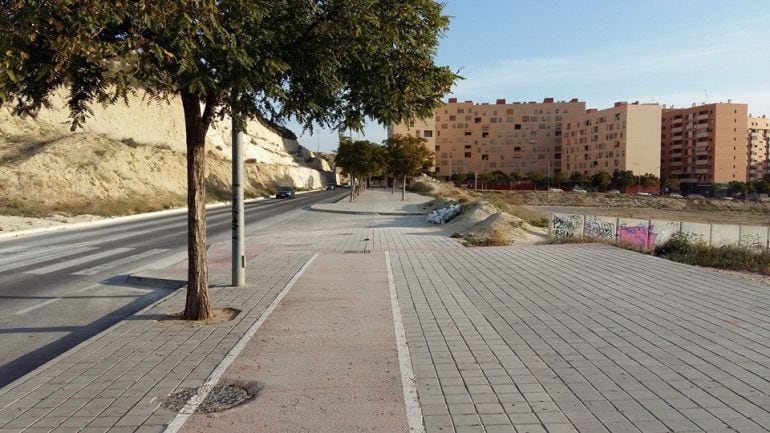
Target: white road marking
[[103, 267], [203, 391], [77, 261], [411, 401], [44, 257], [35, 307]]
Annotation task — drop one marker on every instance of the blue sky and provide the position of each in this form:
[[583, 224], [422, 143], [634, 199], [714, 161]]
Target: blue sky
[[668, 51]]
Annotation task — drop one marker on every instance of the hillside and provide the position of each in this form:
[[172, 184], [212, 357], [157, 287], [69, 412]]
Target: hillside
[[131, 158]]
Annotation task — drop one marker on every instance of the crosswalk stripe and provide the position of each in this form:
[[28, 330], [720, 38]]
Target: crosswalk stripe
[[105, 266], [36, 306], [22, 253], [44, 257], [77, 261]]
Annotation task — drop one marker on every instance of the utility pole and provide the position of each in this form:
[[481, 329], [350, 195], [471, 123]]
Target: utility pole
[[239, 248]]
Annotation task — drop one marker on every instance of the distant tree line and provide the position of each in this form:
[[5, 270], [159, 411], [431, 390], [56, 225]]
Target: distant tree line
[[602, 181], [399, 158]]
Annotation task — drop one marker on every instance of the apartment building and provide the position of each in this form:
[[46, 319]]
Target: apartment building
[[624, 137], [468, 137], [705, 144], [759, 153]]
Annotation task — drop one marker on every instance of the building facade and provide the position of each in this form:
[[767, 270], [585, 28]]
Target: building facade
[[759, 154], [516, 137], [705, 144], [624, 137]]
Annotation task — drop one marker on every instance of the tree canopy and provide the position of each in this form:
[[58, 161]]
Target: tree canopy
[[333, 63], [359, 159], [407, 156]]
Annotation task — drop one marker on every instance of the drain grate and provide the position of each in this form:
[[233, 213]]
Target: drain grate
[[356, 252], [220, 397]]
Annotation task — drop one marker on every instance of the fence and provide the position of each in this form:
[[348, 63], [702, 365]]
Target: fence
[[647, 234]]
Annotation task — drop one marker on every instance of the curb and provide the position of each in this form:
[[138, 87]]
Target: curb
[[353, 212], [121, 219]]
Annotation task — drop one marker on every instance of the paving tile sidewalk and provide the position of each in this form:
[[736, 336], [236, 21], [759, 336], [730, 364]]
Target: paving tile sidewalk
[[556, 338], [378, 201], [583, 338], [114, 381]]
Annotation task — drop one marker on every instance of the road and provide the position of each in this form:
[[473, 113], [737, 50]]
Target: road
[[60, 288]]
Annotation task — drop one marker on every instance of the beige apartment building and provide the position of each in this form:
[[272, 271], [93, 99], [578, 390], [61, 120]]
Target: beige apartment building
[[517, 137], [624, 137], [759, 153], [705, 144]]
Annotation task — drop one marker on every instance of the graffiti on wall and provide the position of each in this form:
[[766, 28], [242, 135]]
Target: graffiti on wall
[[600, 227], [664, 230], [638, 236], [646, 234], [566, 226], [751, 240]]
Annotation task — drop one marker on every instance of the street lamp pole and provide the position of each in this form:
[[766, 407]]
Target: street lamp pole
[[238, 244]]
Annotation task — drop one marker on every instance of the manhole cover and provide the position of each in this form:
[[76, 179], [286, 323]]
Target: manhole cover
[[356, 252], [219, 398]]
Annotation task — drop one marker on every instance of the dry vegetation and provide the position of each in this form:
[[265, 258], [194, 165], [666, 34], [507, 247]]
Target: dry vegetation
[[531, 205]]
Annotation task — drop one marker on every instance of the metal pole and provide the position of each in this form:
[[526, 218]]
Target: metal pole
[[239, 247]]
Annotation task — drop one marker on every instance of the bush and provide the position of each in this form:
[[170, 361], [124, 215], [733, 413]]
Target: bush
[[681, 249]]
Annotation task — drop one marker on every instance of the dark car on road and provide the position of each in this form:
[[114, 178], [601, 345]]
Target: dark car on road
[[285, 192]]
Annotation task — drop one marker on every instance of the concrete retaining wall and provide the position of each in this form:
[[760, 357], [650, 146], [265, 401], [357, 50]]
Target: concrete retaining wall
[[646, 234]]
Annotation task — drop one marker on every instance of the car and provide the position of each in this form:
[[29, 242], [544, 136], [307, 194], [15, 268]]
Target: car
[[285, 192], [695, 196], [555, 190], [728, 198], [675, 195], [578, 189], [330, 187], [643, 193], [613, 191]]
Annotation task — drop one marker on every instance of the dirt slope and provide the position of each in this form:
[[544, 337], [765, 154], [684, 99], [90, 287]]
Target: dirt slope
[[131, 158]]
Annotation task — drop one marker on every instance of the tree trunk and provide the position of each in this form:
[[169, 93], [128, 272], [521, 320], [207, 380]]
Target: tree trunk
[[403, 190], [393, 185], [352, 186], [198, 304]]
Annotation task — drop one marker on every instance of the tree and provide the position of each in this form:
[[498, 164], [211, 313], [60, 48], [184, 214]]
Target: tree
[[359, 160], [649, 180], [738, 188], [622, 179], [601, 180], [578, 178], [559, 179], [328, 63], [537, 177], [459, 177], [407, 156], [514, 176]]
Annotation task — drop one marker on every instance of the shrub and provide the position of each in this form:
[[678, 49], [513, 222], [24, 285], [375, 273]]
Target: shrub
[[681, 249]]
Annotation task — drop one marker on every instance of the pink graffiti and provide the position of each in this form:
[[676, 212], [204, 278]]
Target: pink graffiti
[[638, 236]]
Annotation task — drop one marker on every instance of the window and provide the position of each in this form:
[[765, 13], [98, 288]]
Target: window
[[485, 134], [467, 154], [438, 147], [477, 120], [460, 110], [467, 133], [485, 157], [517, 126], [427, 133], [452, 118]]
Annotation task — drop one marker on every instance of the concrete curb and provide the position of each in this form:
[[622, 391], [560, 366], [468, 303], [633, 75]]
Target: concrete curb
[[122, 219], [353, 212]]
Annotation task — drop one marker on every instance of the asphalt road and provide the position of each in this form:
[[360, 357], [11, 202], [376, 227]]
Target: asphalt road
[[60, 288]]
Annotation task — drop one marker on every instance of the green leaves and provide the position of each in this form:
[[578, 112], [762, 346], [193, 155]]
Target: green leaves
[[407, 156]]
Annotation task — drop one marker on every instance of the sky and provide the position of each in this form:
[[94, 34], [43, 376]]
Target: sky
[[673, 52]]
